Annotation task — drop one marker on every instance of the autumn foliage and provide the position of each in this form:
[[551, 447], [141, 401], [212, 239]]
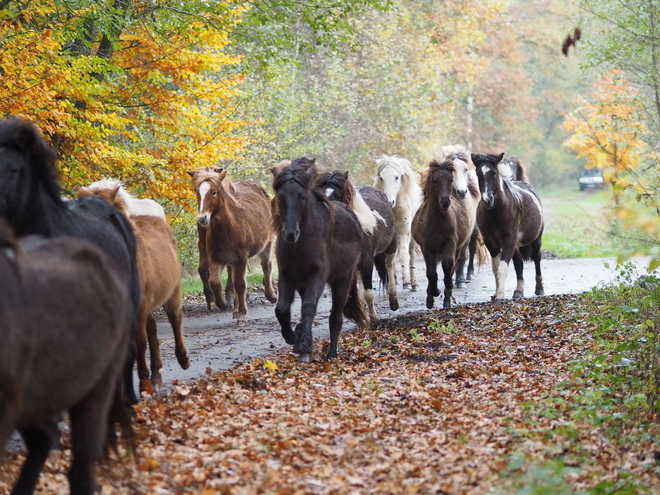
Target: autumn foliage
[[142, 107]]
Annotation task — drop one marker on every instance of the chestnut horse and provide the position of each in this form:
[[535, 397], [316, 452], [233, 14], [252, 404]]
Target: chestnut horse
[[65, 325], [160, 277], [510, 220], [236, 222], [445, 222], [319, 243], [379, 239]]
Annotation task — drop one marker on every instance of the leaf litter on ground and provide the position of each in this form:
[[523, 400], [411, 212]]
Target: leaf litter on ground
[[436, 402]]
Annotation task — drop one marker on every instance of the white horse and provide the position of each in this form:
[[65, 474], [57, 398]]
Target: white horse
[[396, 177], [136, 206]]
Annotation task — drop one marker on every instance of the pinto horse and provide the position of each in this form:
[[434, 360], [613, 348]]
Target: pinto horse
[[160, 276], [510, 220], [444, 223], [379, 240], [31, 203], [235, 218], [65, 327], [511, 168], [396, 177], [319, 243]]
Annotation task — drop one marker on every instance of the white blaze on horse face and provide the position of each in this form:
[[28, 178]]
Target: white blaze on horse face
[[203, 215], [486, 194], [461, 173], [328, 192]]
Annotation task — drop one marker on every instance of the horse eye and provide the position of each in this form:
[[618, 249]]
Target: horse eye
[[397, 177], [215, 193]]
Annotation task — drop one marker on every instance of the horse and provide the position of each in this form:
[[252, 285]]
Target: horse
[[160, 276], [511, 168], [235, 220], [476, 247], [319, 243], [396, 177], [510, 220], [379, 239], [65, 327], [31, 203], [445, 222]]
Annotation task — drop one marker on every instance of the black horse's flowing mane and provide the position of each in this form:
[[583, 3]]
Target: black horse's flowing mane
[[26, 138], [338, 180]]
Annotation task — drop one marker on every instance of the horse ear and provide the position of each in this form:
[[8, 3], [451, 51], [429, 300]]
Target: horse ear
[[499, 157], [115, 192], [275, 171], [222, 173], [218, 170], [344, 175], [191, 173]]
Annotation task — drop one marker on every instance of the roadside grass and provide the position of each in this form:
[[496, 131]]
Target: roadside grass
[[192, 288], [614, 390]]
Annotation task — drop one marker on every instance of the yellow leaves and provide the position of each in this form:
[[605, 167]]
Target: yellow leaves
[[271, 366]]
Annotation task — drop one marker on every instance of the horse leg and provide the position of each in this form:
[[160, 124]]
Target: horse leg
[[215, 281], [412, 254], [286, 292], [154, 353], [240, 286], [89, 424], [520, 281], [461, 283], [536, 257], [39, 440], [391, 281], [472, 250], [340, 291], [448, 272], [174, 313], [366, 275], [141, 345], [267, 268], [403, 252], [230, 292], [500, 269], [203, 268], [310, 302], [432, 276]]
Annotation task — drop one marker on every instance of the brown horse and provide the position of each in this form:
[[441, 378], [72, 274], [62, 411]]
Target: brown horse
[[445, 222], [235, 219], [160, 280], [66, 320]]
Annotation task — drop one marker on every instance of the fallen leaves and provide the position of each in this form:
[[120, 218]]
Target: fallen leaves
[[435, 403]]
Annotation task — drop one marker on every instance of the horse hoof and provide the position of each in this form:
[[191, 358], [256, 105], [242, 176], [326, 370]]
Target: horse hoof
[[539, 292], [517, 294], [211, 306], [429, 302], [461, 285], [305, 358], [394, 304], [184, 361], [235, 315], [156, 383], [415, 288], [241, 321], [272, 299], [407, 286], [331, 355], [222, 306], [446, 303]]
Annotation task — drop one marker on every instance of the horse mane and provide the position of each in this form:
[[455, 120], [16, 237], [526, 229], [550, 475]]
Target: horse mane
[[127, 203], [512, 168], [351, 197], [26, 138], [299, 172], [409, 176]]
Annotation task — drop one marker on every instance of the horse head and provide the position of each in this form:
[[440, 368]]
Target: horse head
[[335, 186], [292, 185], [389, 177], [439, 182], [25, 157], [110, 194], [488, 176], [207, 182]]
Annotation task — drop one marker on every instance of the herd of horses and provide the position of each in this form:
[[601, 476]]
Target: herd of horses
[[80, 278]]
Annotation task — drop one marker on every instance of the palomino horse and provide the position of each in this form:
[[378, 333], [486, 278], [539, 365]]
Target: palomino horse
[[510, 220], [236, 220], [319, 242], [160, 276], [444, 223], [31, 202], [396, 177], [379, 239], [65, 328]]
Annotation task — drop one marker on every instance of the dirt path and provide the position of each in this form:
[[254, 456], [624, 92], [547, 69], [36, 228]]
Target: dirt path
[[215, 342]]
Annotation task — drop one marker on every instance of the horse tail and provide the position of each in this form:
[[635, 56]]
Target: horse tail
[[354, 309], [381, 269], [525, 252], [483, 256], [120, 416]]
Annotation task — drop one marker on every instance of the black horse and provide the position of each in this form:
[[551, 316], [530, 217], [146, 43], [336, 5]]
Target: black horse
[[379, 240], [31, 203], [65, 320], [319, 241], [510, 220]]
